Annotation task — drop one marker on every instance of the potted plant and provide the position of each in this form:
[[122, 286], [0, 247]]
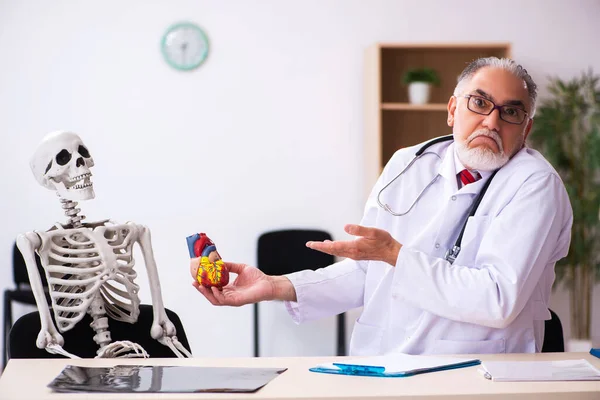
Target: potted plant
[[567, 132], [419, 81]]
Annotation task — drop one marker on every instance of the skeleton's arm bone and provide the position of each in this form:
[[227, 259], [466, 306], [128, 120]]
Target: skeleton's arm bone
[[163, 329], [175, 346], [57, 349], [162, 325], [28, 243]]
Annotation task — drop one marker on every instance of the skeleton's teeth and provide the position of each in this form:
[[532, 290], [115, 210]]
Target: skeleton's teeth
[[80, 177], [81, 186], [80, 182]]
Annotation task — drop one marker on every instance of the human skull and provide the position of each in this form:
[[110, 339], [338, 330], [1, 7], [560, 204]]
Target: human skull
[[62, 163]]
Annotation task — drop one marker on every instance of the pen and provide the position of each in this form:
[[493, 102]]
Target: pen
[[484, 373]]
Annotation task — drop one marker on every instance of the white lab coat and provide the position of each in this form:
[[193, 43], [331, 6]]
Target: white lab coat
[[493, 299]]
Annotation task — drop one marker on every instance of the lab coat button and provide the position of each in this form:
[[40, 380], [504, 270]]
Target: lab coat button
[[437, 245], [453, 198]]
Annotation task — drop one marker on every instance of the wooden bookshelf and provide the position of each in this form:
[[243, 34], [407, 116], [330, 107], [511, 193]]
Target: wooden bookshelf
[[391, 122]]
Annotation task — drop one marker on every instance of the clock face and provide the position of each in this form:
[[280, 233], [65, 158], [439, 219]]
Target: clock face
[[184, 46]]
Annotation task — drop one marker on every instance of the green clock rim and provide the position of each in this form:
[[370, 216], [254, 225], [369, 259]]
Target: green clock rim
[[178, 25]]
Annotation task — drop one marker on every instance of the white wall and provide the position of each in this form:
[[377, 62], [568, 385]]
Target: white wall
[[267, 134]]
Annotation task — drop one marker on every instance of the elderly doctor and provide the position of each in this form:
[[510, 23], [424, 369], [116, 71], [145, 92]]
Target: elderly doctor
[[420, 293]]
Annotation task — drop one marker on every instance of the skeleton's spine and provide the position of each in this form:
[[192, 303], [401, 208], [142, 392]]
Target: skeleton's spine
[[72, 213], [99, 323]]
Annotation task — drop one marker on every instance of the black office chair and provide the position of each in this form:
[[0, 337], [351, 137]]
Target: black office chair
[[283, 252], [554, 341], [79, 340], [21, 294]]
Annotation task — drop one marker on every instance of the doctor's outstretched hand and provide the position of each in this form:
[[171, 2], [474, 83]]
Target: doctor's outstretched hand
[[250, 286], [371, 244]]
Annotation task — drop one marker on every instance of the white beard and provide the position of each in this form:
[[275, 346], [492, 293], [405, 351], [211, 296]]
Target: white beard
[[481, 158]]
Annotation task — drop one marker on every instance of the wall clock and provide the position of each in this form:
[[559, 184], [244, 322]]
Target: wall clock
[[184, 46]]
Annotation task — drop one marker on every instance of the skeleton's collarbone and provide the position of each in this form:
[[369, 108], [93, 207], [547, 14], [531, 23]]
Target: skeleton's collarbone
[[95, 231]]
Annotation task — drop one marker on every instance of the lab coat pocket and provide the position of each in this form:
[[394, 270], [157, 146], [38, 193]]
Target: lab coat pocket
[[366, 339], [469, 346], [474, 231]]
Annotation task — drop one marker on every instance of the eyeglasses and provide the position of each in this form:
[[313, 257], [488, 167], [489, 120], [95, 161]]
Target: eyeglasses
[[481, 105]]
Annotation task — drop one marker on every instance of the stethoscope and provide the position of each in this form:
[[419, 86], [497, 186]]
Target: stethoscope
[[452, 253]]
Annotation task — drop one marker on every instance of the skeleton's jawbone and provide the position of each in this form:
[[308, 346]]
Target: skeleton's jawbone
[[77, 194]]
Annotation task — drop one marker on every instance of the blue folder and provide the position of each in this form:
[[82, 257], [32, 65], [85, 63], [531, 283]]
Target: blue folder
[[396, 365], [595, 352]]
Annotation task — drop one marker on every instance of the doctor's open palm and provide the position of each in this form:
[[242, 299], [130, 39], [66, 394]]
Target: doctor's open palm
[[250, 286]]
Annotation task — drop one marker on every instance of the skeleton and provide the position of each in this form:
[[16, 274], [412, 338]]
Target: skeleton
[[89, 266]]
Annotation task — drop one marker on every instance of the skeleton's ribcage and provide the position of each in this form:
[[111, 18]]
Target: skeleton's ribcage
[[82, 263]]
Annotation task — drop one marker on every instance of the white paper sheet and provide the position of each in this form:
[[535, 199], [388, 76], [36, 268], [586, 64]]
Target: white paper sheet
[[522, 371]]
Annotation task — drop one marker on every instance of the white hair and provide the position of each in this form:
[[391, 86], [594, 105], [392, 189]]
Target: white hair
[[504, 63]]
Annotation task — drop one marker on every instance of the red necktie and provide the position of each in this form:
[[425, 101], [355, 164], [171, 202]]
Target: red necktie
[[466, 177]]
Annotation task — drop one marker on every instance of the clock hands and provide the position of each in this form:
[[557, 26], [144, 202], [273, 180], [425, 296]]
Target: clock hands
[[184, 46]]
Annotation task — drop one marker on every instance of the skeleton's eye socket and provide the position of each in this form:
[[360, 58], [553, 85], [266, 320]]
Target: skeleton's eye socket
[[83, 151], [63, 157]]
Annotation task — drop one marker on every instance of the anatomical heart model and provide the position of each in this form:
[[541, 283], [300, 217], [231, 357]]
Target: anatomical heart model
[[206, 265], [89, 266]]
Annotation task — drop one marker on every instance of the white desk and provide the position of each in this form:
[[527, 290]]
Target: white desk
[[27, 379]]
